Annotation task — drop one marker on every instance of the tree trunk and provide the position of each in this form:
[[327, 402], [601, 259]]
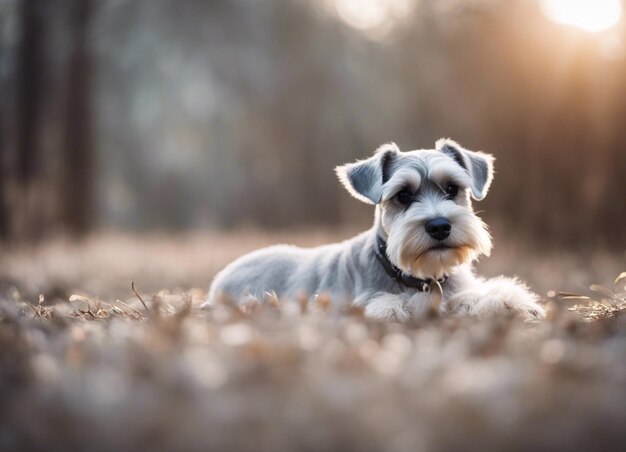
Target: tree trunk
[[77, 185], [30, 73], [4, 210]]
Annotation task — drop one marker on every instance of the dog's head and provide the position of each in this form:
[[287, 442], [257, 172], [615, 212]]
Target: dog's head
[[424, 210]]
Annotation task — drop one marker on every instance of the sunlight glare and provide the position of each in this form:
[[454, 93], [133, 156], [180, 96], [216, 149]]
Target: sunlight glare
[[374, 17], [589, 15]]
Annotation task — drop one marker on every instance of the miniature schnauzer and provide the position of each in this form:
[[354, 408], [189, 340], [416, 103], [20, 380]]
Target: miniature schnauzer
[[417, 254]]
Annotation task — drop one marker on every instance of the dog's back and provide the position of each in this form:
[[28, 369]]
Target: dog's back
[[282, 269], [290, 271]]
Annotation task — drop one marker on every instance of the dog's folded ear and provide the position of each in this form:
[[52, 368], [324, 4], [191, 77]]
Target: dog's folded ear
[[478, 164], [364, 179]]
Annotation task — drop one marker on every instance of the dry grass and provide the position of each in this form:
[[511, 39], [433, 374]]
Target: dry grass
[[100, 369]]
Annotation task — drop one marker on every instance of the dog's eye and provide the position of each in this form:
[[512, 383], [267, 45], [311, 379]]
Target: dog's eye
[[452, 190], [404, 197]]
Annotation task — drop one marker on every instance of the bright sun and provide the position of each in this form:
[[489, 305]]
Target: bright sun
[[589, 15], [373, 17]]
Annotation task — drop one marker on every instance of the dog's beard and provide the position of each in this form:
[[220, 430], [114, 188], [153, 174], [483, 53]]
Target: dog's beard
[[412, 250]]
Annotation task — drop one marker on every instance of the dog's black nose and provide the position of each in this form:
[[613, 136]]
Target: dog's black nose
[[438, 228]]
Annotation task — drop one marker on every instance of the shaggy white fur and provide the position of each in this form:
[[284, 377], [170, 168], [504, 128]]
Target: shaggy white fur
[[410, 190]]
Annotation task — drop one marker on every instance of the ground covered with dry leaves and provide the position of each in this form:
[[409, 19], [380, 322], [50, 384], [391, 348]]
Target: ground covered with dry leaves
[[85, 363]]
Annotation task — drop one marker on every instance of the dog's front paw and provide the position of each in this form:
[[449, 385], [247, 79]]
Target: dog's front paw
[[524, 307], [497, 296], [387, 307]]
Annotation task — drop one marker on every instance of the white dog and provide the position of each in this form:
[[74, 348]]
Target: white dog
[[425, 236]]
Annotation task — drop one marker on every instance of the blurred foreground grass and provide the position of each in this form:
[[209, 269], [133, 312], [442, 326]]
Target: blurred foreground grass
[[88, 366]]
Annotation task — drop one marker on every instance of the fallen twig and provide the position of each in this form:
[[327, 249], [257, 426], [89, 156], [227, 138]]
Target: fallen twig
[[132, 285]]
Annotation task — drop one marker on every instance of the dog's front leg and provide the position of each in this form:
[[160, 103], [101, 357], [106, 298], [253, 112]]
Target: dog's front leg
[[384, 306], [395, 307], [483, 298]]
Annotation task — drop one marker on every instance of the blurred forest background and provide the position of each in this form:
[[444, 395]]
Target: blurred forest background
[[144, 144], [185, 115]]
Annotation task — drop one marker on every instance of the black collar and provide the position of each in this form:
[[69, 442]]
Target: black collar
[[422, 285]]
